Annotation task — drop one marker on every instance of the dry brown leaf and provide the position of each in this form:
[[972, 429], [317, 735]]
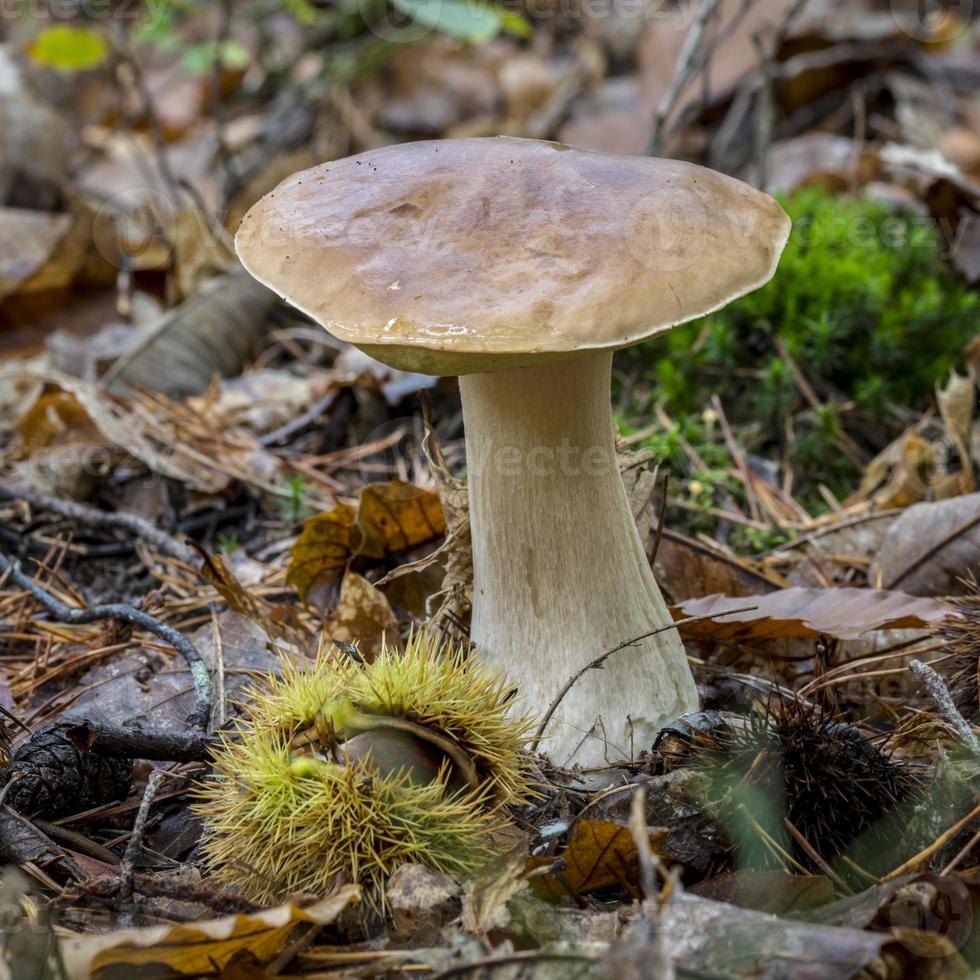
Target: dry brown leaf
[[64, 452], [199, 948], [214, 333], [56, 418], [689, 568], [956, 403], [269, 617], [363, 617], [34, 147], [600, 853], [842, 613], [396, 515], [390, 517], [38, 251], [486, 895], [930, 547], [121, 427], [457, 583], [326, 544]]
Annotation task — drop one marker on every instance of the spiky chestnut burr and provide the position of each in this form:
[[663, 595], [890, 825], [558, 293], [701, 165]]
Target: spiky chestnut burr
[[344, 771], [960, 637], [792, 760]]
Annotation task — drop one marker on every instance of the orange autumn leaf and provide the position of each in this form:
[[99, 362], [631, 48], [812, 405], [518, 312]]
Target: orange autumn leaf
[[390, 517], [323, 549], [600, 853], [397, 515]]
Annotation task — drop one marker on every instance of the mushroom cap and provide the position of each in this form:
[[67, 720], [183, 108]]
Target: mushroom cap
[[471, 255]]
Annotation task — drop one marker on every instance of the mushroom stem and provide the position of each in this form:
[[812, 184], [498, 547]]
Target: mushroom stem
[[560, 573]]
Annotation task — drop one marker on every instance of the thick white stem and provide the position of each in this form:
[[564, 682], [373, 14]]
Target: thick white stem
[[560, 574]]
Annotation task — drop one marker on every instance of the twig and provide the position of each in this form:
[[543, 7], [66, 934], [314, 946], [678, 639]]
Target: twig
[[685, 69], [138, 743], [603, 657], [944, 701], [222, 902], [811, 852], [78, 841], [641, 838], [200, 675], [285, 432], [127, 869], [661, 517], [738, 457], [91, 517], [940, 842], [963, 851]]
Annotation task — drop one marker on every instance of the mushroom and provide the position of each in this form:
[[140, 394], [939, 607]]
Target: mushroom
[[521, 266]]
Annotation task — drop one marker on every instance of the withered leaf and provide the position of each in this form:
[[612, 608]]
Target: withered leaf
[[929, 549], [198, 948], [390, 517], [687, 567], [326, 544], [397, 515], [600, 853], [363, 616], [844, 613], [264, 614]]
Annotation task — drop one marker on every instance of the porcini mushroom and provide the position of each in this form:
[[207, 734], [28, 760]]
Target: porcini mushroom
[[521, 266]]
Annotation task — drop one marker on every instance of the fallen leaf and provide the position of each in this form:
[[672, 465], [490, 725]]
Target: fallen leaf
[[390, 517], [145, 687], [363, 617], [64, 452], [844, 613], [261, 400], [268, 616], [199, 948], [966, 257], [830, 554], [956, 403], [486, 895], [600, 853], [215, 333], [396, 515], [930, 547], [67, 48], [323, 550], [38, 251], [686, 567], [775, 891], [35, 145]]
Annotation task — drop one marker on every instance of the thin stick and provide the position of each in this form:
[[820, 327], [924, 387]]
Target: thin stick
[[967, 847], [660, 522], [603, 657], [811, 852], [127, 869], [944, 700], [200, 675], [927, 852], [685, 69], [641, 838], [91, 517]]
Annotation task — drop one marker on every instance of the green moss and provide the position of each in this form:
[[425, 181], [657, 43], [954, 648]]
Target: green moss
[[862, 305]]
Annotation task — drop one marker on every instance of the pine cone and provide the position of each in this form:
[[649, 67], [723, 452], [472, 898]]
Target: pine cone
[[56, 774]]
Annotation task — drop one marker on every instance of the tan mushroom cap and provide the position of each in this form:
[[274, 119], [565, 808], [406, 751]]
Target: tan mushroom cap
[[469, 255]]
